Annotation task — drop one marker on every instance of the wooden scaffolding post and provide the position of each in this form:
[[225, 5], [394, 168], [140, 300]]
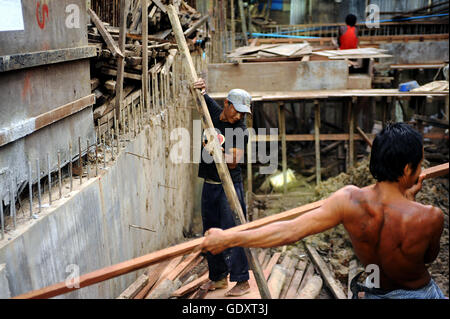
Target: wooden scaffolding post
[[144, 14], [317, 140], [121, 59], [249, 166], [244, 26], [351, 131], [217, 154], [282, 134], [233, 26]]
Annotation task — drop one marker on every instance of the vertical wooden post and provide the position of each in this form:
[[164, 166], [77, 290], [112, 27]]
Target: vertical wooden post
[[233, 26], [144, 20], [249, 167], [351, 131], [447, 107], [317, 140], [282, 135], [121, 59], [244, 26], [217, 154]]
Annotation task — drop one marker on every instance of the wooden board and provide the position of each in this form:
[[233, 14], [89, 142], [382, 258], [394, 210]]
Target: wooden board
[[278, 76], [328, 277]]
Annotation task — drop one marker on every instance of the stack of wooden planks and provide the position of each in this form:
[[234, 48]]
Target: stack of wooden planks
[[361, 53], [161, 50], [288, 276], [271, 52]]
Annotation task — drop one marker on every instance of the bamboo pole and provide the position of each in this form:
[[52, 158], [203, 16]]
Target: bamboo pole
[[144, 14]]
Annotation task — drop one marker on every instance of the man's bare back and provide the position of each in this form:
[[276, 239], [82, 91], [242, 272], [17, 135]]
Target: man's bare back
[[397, 234]]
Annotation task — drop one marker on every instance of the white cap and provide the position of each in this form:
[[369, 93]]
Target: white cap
[[240, 99]]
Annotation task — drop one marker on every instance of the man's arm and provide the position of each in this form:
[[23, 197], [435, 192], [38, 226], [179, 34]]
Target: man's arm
[[329, 215], [437, 226]]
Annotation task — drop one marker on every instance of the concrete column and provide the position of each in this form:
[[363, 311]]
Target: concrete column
[[4, 285]]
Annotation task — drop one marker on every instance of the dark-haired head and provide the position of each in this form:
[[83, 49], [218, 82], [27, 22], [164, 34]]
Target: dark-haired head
[[350, 20], [396, 146]]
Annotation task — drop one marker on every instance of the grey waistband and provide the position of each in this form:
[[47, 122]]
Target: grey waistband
[[210, 181]]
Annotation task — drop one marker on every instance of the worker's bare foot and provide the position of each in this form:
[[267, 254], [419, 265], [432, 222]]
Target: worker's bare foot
[[213, 285], [241, 288]]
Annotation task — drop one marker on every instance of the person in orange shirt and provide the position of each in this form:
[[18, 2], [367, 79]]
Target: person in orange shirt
[[348, 34]]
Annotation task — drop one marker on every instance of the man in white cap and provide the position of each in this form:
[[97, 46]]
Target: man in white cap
[[229, 123]]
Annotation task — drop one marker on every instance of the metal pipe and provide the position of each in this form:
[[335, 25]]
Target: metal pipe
[[12, 205], [80, 164], [49, 181], [38, 173], [87, 159], [30, 188], [59, 175], [70, 166], [2, 219]]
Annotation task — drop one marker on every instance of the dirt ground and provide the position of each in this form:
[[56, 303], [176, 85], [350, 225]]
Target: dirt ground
[[334, 245]]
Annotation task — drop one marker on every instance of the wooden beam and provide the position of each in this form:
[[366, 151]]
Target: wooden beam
[[181, 249], [327, 275], [111, 44], [134, 288], [196, 25], [124, 4], [364, 136], [282, 134], [317, 140], [243, 24], [217, 153], [30, 125]]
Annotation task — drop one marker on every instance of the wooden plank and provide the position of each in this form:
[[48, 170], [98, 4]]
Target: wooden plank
[[322, 94], [184, 274], [436, 171], [28, 126], [111, 44], [311, 289], [309, 272], [134, 288], [296, 280], [272, 262], [364, 136], [331, 282], [160, 5], [153, 272], [191, 286], [196, 25], [178, 269], [181, 249], [352, 269], [296, 76]]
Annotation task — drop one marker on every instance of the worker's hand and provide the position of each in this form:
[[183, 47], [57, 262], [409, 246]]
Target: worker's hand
[[201, 85], [214, 241], [411, 192]]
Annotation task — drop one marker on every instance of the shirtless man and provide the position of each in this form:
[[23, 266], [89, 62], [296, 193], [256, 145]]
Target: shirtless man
[[386, 226]]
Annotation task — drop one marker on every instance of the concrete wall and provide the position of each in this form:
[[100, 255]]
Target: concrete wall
[[91, 229]]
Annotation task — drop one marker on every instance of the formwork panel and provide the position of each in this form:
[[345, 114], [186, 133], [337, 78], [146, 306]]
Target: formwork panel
[[44, 108]]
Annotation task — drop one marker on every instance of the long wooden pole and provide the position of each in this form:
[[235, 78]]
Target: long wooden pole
[[180, 249], [217, 154], [243, 24]]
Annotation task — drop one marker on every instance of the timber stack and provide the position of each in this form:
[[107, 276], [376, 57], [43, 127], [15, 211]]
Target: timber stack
[[161, 48]]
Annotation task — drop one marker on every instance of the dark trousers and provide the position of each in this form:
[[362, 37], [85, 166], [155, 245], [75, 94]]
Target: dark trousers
[[216, 212]]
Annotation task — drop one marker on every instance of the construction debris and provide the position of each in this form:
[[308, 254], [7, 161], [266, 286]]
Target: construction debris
[[271, 51]]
